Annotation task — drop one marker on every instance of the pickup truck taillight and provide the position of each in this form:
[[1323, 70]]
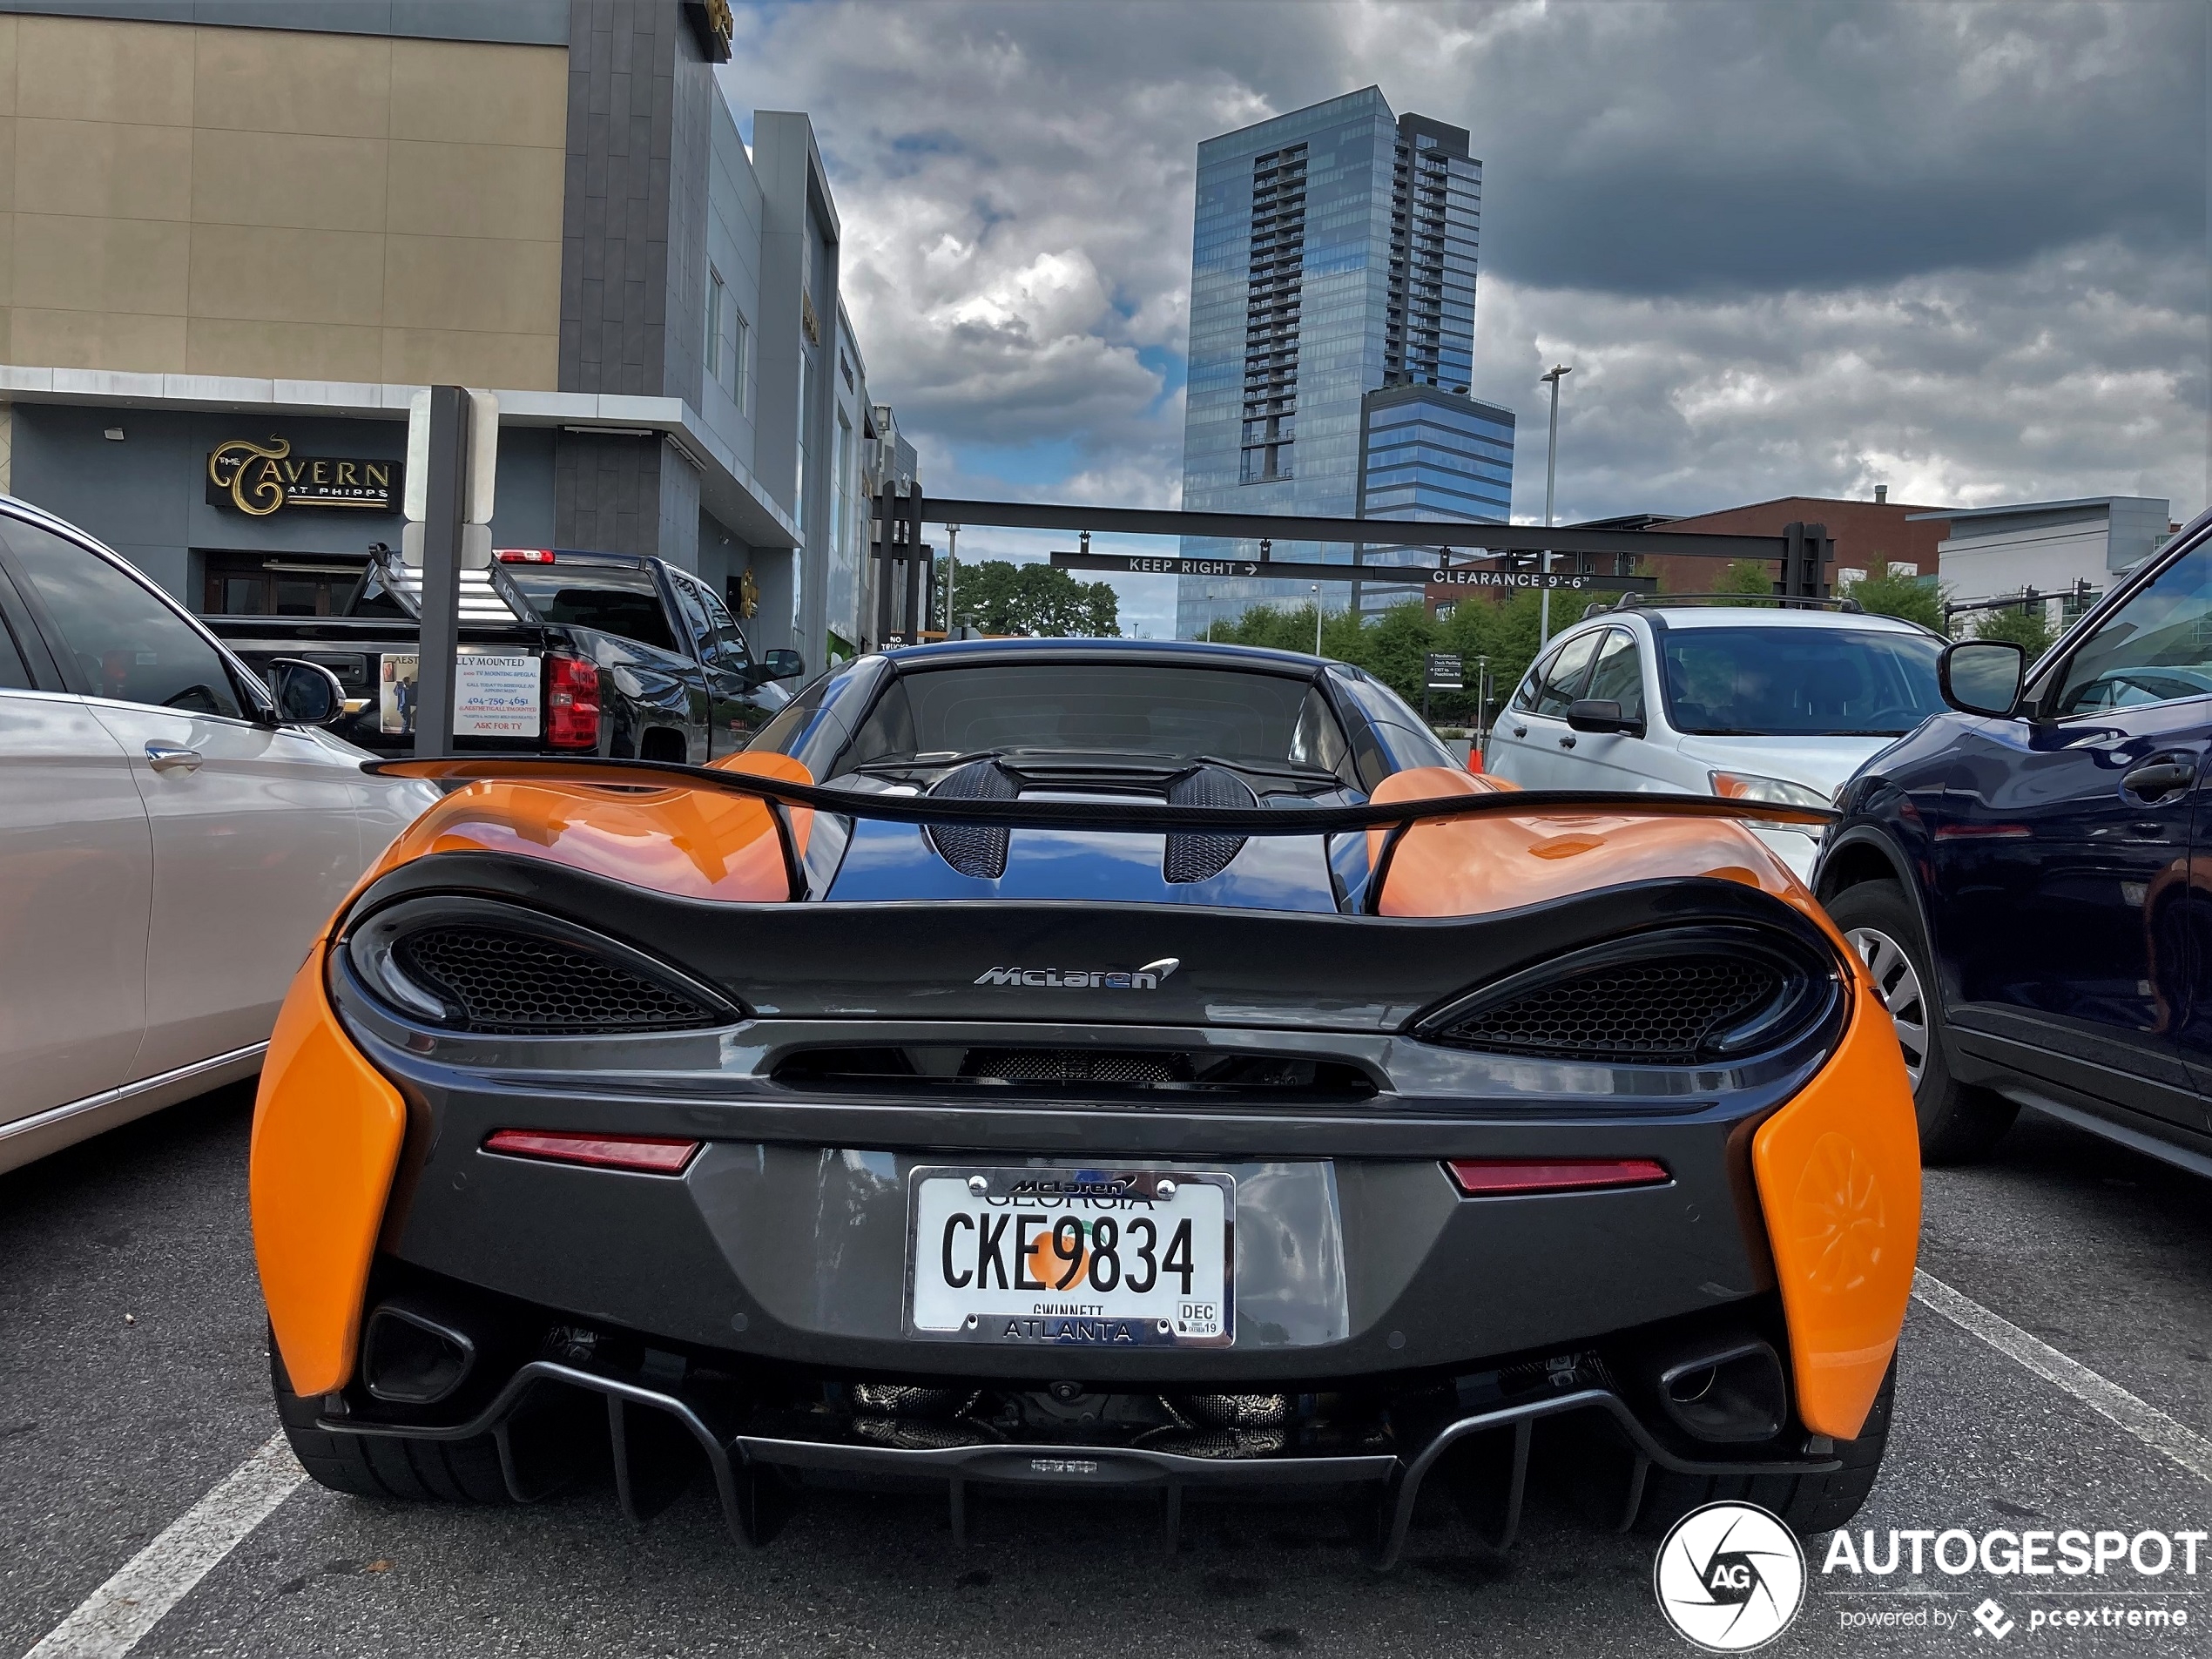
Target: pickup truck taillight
[[572, 701]]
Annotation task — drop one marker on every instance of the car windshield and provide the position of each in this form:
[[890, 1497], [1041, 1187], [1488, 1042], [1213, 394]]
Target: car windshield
[[1091, 708], [611, 598], [1799, 682]]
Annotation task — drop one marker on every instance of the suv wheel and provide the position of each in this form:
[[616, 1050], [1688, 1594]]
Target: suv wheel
[[1959, 1122]]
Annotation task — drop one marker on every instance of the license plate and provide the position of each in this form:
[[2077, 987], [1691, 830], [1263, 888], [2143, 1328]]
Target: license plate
[[1095, 1258]]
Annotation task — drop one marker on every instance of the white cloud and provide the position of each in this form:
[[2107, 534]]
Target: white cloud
[[2081, 374], [1957, 249]]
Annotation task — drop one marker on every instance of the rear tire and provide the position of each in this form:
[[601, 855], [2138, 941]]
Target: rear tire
[[1959, 1122], [1808, 1503], [383, 1467]]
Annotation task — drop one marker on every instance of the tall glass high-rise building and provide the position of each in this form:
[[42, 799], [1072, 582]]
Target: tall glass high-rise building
[[1332, 336]]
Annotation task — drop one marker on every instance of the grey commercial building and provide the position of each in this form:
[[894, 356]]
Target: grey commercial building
[[1332, 335], [236, 237], [2067, 552]]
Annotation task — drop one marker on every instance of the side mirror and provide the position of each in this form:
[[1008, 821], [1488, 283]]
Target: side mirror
[[1982, 675], [1600, 714], [782, 665], [306, 693]]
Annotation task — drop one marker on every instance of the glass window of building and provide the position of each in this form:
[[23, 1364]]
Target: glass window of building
[[805, 424], [718, 328], [842, 523], [740, 353], [1333, 256]]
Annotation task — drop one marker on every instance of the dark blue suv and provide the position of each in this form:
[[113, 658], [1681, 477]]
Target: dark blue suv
[[2029, 876]]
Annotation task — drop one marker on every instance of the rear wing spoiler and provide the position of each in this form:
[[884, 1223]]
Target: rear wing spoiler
[[781, 796], [1128, 816]]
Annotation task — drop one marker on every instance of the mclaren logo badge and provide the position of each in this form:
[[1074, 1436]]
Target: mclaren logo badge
[[1146, 978]]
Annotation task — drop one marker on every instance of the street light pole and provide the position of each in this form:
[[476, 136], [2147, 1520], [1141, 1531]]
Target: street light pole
[[1559, 372], [1316, 619], [952, 566]]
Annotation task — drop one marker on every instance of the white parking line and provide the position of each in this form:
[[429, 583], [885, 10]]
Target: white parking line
[[115, 1618], [2146, 1423]]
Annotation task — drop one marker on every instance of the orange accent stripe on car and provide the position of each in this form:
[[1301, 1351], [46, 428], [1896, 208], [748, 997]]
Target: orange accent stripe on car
[[690, 843], [327, 1133], [766, 762], [1465, 866], [1838, 1176]]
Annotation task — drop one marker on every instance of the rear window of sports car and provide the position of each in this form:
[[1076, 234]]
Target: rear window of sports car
[[1090, 708]]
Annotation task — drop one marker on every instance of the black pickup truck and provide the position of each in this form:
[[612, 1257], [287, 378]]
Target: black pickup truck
[[561, 653]]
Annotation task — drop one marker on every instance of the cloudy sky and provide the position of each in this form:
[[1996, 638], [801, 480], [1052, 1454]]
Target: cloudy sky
[[1797, 248]]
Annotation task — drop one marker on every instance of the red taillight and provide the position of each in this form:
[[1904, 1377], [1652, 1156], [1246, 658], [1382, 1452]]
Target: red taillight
[[1490, 1177], [646, 1154], [524, 555], [572, 701]]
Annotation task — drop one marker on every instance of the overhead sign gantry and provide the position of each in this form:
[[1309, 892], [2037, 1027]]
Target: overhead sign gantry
[[906, 583]]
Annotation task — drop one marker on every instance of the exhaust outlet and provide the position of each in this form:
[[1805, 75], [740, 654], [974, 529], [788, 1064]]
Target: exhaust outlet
[[1727, 1393], [415, 1352]]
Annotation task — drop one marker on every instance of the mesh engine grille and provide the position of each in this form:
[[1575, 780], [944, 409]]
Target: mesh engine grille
[[517, 983], [1200, 858], [974, 849], [1661, 1011], [1075, 1066]]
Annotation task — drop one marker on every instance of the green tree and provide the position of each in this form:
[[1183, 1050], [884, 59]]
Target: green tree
[[1394, 646], [1746, 576], [1884, 594], [1002, 597], [1505, 630], [2027, 626]]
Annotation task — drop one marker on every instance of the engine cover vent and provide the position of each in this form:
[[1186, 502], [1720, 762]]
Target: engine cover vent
[[974, 849], [1201, 858]]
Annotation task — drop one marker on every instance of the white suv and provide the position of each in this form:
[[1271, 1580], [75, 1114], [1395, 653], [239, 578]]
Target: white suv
[[173, 833], [1779, 704]]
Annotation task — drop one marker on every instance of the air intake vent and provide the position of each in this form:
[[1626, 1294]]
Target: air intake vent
[[1150, 1075], [1200, 858], [976, 850], [1664, 1012], [513, 983], [1123, 1067], [1680, 997]]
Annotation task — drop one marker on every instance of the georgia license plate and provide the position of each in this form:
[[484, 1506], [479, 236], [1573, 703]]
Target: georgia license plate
[[1115, 1258]]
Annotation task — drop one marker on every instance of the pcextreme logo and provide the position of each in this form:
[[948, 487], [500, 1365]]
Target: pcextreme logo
[[1729, 1577]]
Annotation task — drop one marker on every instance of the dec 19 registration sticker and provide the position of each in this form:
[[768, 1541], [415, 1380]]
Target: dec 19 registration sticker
[[1095, 1258]]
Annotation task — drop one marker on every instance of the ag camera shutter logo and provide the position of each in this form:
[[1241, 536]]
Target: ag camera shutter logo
[[1729, 1577]]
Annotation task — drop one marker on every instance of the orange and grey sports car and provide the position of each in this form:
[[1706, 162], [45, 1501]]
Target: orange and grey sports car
[[1138, 1068]]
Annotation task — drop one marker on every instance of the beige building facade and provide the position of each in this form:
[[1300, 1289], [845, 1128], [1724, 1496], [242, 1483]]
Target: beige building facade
[[190, 200], [266, 223]]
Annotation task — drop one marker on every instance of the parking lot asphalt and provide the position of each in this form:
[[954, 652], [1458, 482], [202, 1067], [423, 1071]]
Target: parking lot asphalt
[[133, 1377]]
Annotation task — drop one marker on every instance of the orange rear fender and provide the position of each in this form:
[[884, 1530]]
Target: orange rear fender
[[327, 1129]]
